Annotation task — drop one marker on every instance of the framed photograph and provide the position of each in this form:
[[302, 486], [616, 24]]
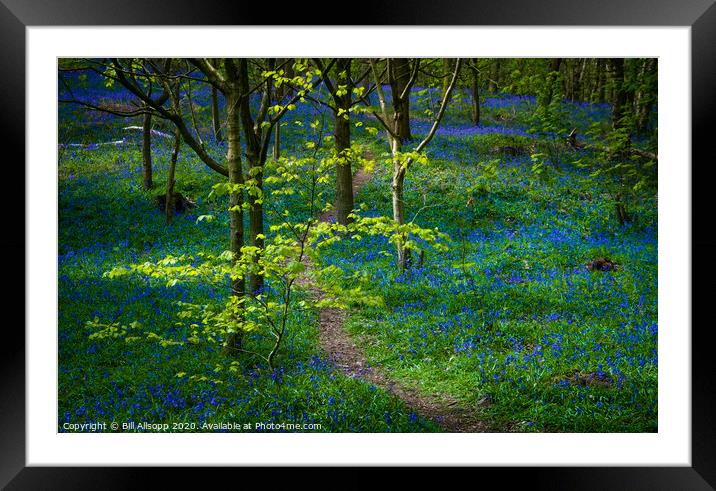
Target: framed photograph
[[547, 83]]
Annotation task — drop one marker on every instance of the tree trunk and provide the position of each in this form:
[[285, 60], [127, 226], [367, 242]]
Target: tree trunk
[[601, 81], [399, 209], [399, 78], [447, 69], [256, 230], [475, 113], [619, 100], [574, 86], [567, 81], [643, 117], [646, 96], [277, 142], [400, 166], [494, 76], [280, 93], [255, 161], [344, 172], [397, 191], [169, 204], [215, 115], [236, 200], [147, 152], [550, 80], [621, 209], [580, 80]]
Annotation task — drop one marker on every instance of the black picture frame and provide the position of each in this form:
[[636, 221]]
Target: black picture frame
[[16, 15]]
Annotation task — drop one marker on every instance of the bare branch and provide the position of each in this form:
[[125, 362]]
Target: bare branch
[[124, 114], [443, 106], [175, 118], [193, 115], [381, 99], [411, 81]]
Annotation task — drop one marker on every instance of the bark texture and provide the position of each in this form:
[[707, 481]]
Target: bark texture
[[170, 205], [147, 180], [215, 119], [344, 171], [475, 107], [399, 76], [236, 201]]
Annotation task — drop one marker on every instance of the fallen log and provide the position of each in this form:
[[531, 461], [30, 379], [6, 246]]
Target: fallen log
[[89, 145], [154, 132], [116, 142], [644, 153]]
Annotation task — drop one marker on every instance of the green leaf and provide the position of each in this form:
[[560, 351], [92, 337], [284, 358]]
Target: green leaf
[[296, 267], [207, 218]]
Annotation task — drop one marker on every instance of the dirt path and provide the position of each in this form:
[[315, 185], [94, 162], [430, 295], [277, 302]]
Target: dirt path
[[351, 360]]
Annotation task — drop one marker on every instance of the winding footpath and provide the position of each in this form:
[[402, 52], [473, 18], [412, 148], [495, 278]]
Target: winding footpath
[[351, 360]]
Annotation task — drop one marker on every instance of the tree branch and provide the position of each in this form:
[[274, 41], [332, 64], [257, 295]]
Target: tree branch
[[177, 119], [439, 117], [214, 76], [381, 99], [411, 81]]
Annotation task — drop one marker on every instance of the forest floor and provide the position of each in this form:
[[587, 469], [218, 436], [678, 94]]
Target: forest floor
[[342, 350]]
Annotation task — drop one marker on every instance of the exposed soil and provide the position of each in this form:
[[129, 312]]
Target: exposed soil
[[350, 359], [181, 202], [589, 379], [602, 264]]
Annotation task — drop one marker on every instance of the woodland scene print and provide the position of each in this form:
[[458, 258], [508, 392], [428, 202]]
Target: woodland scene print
[[357, 245]]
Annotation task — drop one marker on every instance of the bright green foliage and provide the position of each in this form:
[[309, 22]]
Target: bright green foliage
[[281, 262]]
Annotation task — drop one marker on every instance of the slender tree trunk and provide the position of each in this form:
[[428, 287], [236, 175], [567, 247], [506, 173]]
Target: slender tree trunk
[[574, 85], [601, 81], [255, 161], [169, 203], [580, 80], [397, 188], [344, 172], [494, 76], [400, 167], [399, 217], [395, 145], [550, 80], [646, 96], [619, 110], [593, 78], [620, 97], [628, 88], [147, 152], [256, 230], [280, 93], [622, 214], [620, 204], [236, 200], [215, 115], [475, 114], [277, 142], [643, 117], [399, 78], [639, 94], [447, 69]]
